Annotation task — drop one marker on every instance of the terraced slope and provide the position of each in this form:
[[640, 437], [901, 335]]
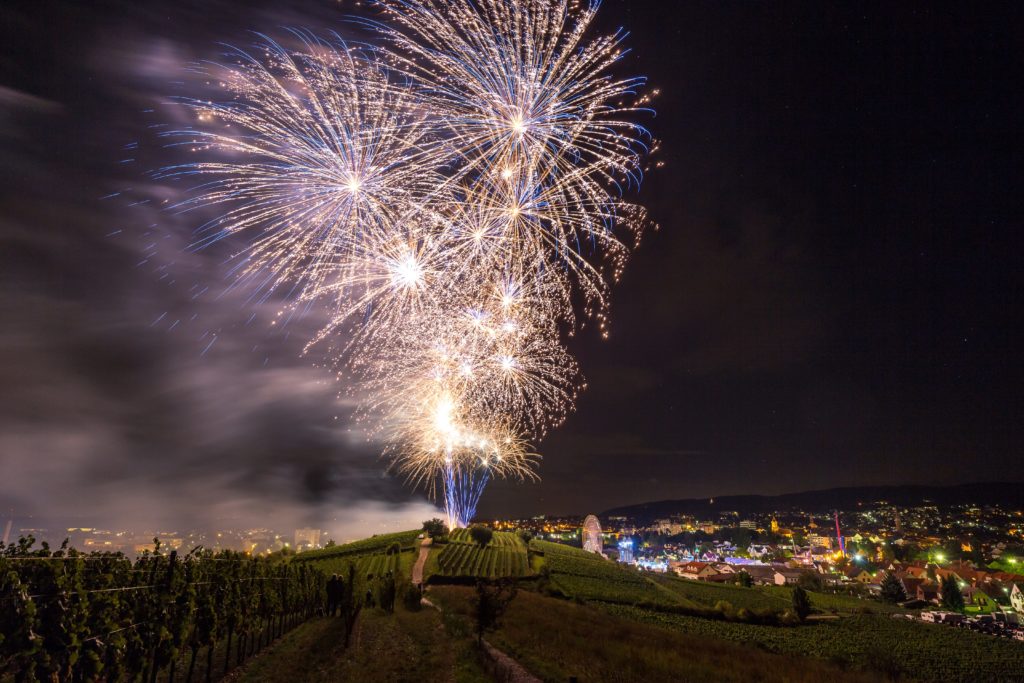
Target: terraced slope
[[589, 576], [504, 556]]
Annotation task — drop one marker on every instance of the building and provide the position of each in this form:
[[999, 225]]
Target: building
[[976, 597], [787, 577], [859, 574], [626, 551], [928, 592], [1017, 598], [910, 586], [592, 541], [748, 524], [307, 538], [820, 540], [668, 527], [761, 574], [697, 571]]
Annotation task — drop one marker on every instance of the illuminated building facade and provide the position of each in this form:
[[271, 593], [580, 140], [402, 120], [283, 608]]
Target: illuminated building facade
[[626, 551]]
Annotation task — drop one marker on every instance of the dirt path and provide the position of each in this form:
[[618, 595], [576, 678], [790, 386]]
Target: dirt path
[[508, 669], [505, 668], [417, 569]]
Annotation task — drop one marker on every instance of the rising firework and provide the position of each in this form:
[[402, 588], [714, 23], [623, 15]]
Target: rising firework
[[451, 197]]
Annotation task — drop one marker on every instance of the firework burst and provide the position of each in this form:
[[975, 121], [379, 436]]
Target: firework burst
[[452, 197]]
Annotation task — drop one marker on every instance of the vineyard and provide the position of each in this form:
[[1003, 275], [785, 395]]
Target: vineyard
[[367, 546], [710, 594], [910, 649], [837, 602], [373, 557], [71, 616], [368, 566], [504, 556], [588, 576]]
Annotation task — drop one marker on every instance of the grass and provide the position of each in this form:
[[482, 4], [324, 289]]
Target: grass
[[839, 602], [556, 640], [405, 646], [709, 594], [764, 597], [620, 630], [896, 647], [431, 566]]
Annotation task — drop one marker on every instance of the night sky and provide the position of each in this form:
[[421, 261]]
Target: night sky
[[831, 299]]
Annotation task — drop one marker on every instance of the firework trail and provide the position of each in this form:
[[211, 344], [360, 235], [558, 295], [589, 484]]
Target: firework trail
[[452, 197]]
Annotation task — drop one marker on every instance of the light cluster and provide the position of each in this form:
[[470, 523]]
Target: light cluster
[[452, 196]]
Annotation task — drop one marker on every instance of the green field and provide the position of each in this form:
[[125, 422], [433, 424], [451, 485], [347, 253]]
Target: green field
[[369, 555], [710, 594], [877, 642], [504, 556], [579, 574], [367, 546], [625, 624], [557, 640], [835, 602]]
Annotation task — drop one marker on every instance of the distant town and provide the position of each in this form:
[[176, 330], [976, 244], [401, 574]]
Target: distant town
[[911, 556]]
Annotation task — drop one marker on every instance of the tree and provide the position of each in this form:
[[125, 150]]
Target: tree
[[952, 598], [811, 581], [481, 535], [412, 598], [350, 604], [435, 528], [801, 603], [491, 602], [743, 579], [892, 589], [388, 591]]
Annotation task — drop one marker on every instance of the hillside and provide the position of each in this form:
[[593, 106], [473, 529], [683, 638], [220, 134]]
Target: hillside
[[1004, 493], [579, 615]]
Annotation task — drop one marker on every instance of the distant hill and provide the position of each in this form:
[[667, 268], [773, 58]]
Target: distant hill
[[1003, 493]]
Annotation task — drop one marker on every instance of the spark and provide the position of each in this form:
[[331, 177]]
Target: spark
[[452, 197]]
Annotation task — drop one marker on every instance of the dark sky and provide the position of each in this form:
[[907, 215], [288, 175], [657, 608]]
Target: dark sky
[[832, 297]]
